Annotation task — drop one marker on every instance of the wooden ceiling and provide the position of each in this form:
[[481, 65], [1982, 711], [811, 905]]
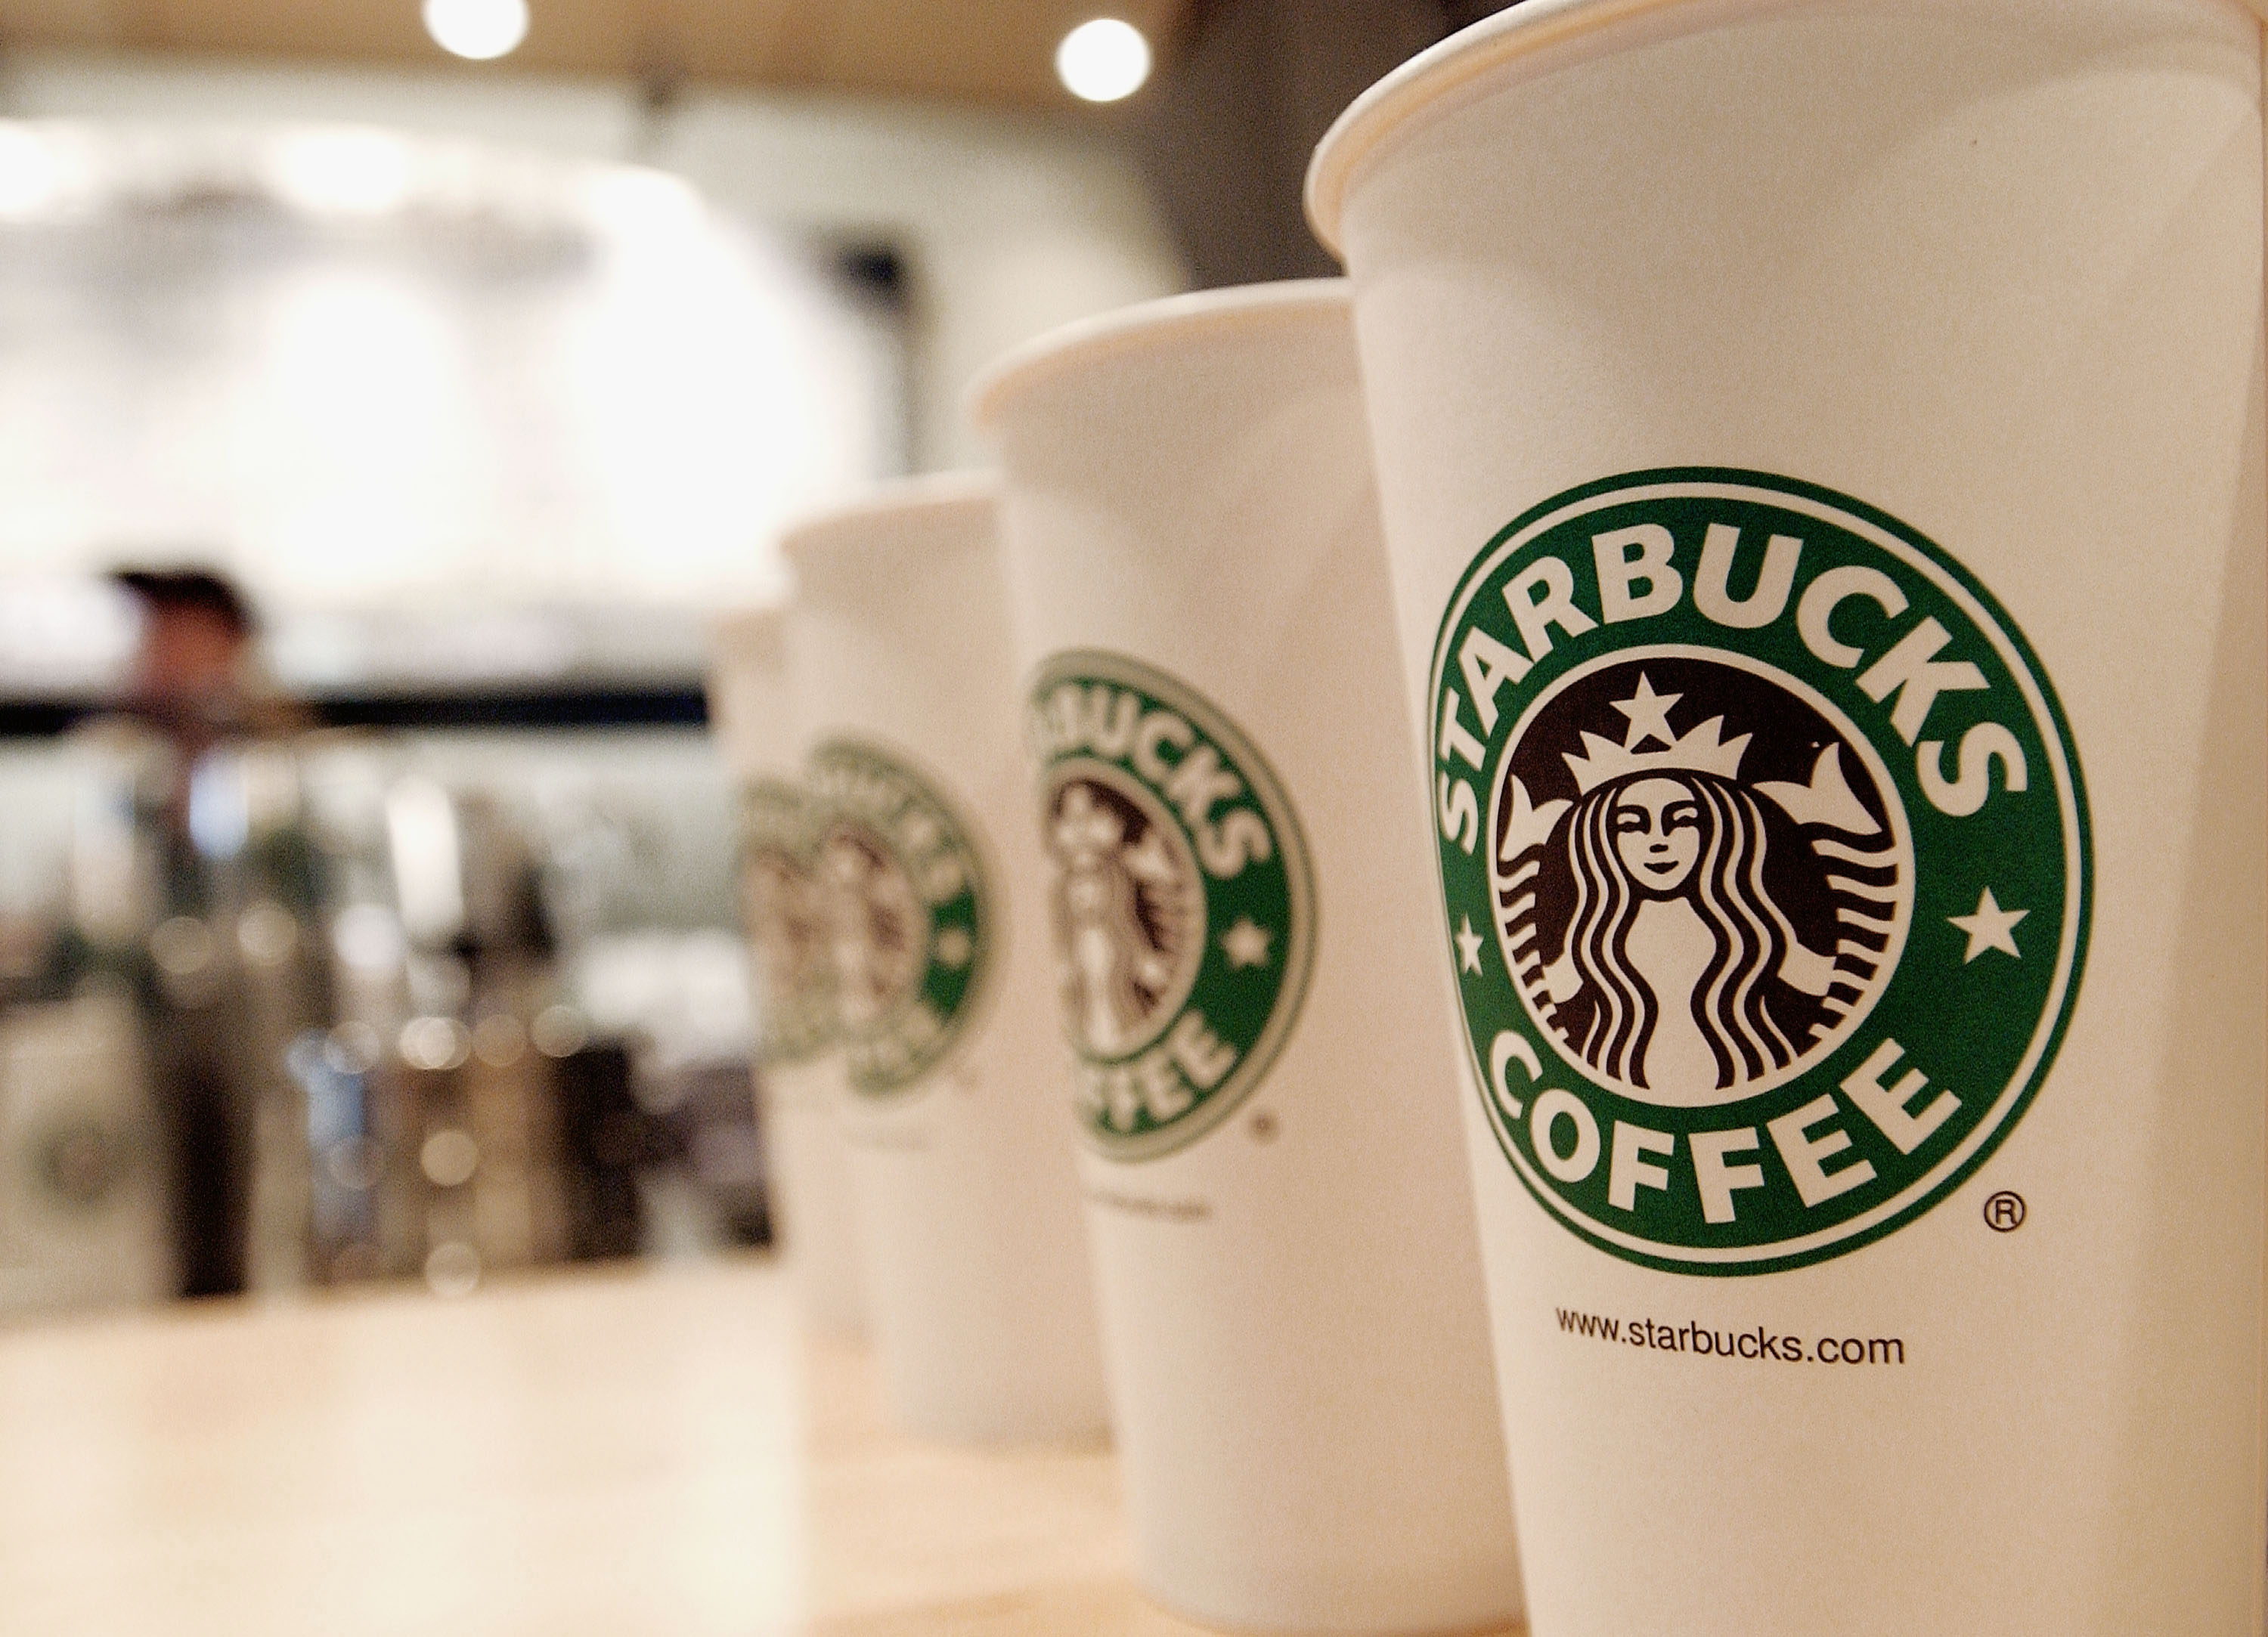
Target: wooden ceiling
[[995, 51]]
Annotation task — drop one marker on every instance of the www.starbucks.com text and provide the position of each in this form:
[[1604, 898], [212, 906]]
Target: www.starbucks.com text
[[1706, 1341]]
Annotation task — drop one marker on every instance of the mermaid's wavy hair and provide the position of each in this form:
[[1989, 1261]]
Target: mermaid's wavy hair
[[1725, 887]]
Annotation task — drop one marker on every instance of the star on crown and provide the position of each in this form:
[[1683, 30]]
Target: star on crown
[[1702, 750]]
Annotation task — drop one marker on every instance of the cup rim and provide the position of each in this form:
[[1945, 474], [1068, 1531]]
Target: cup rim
[[1392, 102], [820, 533], [1144, 324], [1392, 105]]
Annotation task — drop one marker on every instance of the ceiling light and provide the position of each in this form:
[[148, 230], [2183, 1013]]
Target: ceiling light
[[478, 29], [1103, 60]]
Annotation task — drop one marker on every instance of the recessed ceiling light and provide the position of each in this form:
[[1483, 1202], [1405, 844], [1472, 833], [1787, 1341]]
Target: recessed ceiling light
[[478, 29], [1103, 60]]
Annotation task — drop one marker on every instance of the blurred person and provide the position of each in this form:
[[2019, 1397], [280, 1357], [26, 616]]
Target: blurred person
[[192, 678], [195, 689], [196, 635]]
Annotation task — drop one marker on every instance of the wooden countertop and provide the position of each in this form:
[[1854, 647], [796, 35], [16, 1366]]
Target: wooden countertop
[[609, 1454]]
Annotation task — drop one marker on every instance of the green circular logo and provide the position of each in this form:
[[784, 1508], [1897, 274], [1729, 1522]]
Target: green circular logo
[[1184, 912], [908, 922], [782, 907], [82, 1160], [1766, 856]]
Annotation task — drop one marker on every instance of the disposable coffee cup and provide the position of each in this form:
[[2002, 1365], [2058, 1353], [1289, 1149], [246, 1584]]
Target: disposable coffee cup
[[977, 1285], [1267, 1088], [1821, 454], [799, 1083]]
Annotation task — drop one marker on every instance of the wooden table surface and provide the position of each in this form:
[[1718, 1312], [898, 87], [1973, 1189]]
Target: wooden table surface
[[616, 1454]]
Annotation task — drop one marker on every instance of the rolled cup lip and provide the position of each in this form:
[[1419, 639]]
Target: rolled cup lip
[[849, 524], [1395, 102], [1143, 325]]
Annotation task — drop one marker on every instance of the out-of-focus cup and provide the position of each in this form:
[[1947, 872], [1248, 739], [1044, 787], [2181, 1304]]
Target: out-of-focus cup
[[798, 1067], [1268, 1090], [977, 1273], [1822, 452]]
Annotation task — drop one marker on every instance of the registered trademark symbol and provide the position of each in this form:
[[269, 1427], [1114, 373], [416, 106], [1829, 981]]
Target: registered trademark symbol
[[1264, 1127], [2004, 1212]]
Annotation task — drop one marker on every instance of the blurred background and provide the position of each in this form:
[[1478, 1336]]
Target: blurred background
[[389, 394]]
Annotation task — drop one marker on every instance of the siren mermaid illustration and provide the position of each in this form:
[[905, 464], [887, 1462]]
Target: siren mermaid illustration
[[1129, 917], [783, 908], [876, 926], [1676, 974]]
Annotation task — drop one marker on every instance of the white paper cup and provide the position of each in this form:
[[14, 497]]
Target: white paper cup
[[1286, 1254], [1843, 421], [798, 1070], [976, 1263]]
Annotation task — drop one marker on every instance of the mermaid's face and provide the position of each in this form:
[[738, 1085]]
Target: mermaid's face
[[1657, 825]]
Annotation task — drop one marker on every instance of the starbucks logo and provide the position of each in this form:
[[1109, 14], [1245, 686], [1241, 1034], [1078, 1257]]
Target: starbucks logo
[[1765, 858], [784, 910], [83, 1160], [1183, 910], [905, 917], [1711, 930]]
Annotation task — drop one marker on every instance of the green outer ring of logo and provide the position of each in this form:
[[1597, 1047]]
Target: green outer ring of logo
[[1297, 965], [776, 817], [969, 910], [1984, 613]]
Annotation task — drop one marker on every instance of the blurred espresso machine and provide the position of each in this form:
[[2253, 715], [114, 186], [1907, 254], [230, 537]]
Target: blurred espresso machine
[[337, 1009], [441, 1111]]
